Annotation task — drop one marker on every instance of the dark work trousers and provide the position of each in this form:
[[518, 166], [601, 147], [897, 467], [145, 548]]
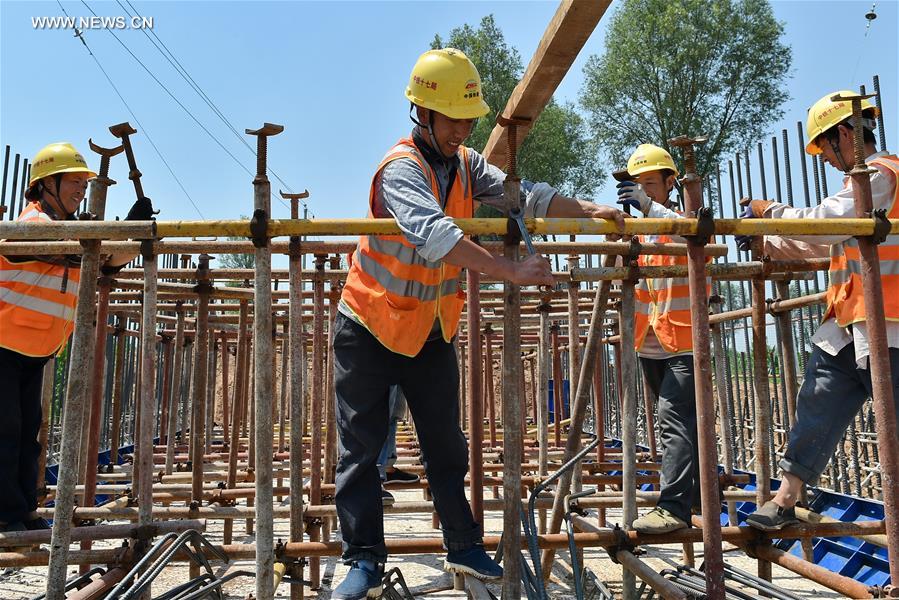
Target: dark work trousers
[[20, 423], [833, 391], [671, 379], [364, 370]]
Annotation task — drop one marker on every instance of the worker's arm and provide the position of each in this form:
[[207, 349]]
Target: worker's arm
[[533, 270], [837, 206]]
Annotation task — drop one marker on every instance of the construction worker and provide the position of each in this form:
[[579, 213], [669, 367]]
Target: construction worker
[[400, 310], [837, 376], [664, 342], [38, 295]]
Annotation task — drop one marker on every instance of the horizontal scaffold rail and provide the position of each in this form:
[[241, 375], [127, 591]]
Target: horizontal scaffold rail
[[120, 230]]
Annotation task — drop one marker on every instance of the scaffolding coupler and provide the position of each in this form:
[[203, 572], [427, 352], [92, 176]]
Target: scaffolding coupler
[[705, 226], [882, 226], [259, 228], [622, 542]]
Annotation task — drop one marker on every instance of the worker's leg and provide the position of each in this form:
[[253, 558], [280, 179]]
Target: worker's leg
[[31, 425], [831, 394], [677, 425], [18, 389], [431, 385], [363, 373]]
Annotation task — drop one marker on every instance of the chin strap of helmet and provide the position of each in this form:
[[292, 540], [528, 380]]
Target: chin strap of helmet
[[429, 128]]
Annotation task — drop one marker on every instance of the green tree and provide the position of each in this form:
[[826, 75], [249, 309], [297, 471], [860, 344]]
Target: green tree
[[557, 149], [696, 67], [237, 261]]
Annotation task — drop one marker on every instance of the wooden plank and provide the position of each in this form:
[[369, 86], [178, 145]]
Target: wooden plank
[[563, 39]]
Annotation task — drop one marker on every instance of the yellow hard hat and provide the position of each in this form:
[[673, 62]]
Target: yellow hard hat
[[61, 157], [446, 81], [648, 157], [827, 113]]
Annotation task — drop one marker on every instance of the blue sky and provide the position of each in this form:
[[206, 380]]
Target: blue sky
[[332, 73]]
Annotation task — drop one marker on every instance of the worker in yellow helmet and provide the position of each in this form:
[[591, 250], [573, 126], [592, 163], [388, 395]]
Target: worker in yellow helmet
[[663, 339], [38, 295], [837, 377], [400, 308]]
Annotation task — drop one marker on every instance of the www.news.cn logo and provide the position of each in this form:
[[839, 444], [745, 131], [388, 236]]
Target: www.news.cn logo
[[83, 23]]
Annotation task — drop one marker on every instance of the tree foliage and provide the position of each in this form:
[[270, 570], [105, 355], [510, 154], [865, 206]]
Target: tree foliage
[[237, 261], [695, 67], [558, 149]]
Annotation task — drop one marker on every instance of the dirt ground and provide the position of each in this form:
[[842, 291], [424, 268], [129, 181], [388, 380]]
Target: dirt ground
[[423, 573]]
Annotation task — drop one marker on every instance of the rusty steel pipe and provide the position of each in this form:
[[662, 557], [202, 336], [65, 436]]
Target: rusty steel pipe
[[318, 400], [177, 374], [475, 397], [78, 388], [201, 375], [705, 403], [879, 358], [579, 409]]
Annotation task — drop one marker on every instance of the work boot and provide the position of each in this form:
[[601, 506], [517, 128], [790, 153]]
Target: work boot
[[474, 561], [400, 476], [772, 517], [658, 520], [34, 522], [387, 498], [363, 581]]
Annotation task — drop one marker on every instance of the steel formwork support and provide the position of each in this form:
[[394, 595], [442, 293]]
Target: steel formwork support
[[879, 358], [175, 400], [629, 427], [147, 393], [475, 396], [705, 403], [73, 417], [513, 405], [318, 400], [297, 368], [263, 361]]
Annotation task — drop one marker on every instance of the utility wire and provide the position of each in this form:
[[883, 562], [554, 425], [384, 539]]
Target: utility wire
[[182, 71], [80, 35]]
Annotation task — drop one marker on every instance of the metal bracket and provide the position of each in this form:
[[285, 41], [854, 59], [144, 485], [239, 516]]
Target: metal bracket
[[622, 542], [632, 253], [705, 226], [882, 225], [259, 228]]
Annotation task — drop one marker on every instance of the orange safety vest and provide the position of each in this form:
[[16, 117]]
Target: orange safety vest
[[663, 303], [845, 300], [394, 292], [36, 316]]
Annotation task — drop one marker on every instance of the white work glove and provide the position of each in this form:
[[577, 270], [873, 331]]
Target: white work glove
[[630, 193]]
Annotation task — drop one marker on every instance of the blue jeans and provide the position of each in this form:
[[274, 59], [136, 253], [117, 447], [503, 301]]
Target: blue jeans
[[832, 393], [387, 458]]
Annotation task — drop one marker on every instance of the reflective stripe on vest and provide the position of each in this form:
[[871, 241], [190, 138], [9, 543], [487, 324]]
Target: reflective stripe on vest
[[395, 292], [663, 303], [36, 317], [845, 300]]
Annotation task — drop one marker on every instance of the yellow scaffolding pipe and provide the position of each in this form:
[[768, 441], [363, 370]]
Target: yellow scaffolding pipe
[[117, 230]]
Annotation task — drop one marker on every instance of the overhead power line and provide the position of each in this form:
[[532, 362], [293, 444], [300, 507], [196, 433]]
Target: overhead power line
[[80, 35]]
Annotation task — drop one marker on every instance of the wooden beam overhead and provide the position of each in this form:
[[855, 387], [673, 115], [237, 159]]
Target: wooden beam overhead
[[563, 39]]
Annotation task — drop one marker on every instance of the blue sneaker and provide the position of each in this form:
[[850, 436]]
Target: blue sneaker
[[473, 561], [363, 581]]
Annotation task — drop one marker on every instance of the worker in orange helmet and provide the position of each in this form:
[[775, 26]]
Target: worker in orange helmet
[[400, 309]]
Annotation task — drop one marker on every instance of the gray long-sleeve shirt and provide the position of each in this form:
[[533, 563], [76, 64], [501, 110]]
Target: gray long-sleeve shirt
[[403, 191]]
